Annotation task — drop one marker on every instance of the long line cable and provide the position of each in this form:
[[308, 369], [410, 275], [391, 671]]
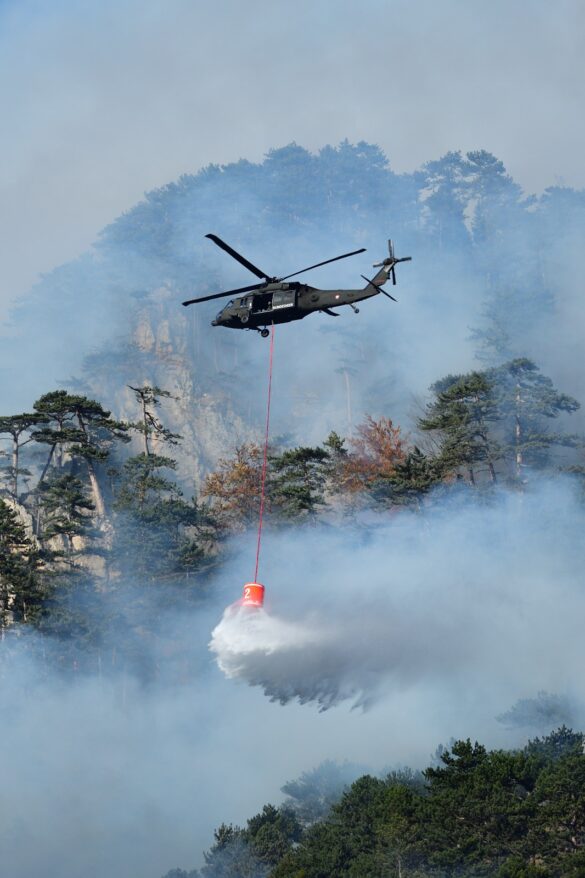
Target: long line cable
[[265, 458]]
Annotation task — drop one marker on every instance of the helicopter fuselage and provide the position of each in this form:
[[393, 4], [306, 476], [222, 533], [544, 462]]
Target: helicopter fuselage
[[278, 300], [284, 302]]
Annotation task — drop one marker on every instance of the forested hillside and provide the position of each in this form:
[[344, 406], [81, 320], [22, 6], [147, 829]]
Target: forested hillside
[[492, 277], [472, 812], [130, 455], [92, 528]]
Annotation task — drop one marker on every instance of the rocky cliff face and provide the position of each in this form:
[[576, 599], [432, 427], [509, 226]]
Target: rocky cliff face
[[163, 349]]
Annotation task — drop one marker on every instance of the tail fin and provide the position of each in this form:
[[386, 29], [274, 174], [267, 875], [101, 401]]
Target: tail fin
[[381, 276]]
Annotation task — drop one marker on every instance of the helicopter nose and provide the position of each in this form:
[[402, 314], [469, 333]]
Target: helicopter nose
[[214, 323]]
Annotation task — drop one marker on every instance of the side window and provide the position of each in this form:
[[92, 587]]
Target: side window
[[284, 299]]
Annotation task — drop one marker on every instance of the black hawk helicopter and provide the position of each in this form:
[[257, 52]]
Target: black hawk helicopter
[[276, 301]]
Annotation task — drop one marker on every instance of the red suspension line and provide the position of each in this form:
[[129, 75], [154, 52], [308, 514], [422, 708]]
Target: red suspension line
[[265, 459]]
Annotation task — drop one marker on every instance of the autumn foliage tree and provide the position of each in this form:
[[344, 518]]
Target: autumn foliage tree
[[374, 454], [233, 490], [303, 481], [294, 488]]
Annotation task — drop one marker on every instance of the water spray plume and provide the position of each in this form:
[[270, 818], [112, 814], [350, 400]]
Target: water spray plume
[[439, 609], [244, 642]]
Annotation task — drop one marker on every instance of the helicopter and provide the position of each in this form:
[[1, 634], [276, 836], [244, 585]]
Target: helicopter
[[274, 300]]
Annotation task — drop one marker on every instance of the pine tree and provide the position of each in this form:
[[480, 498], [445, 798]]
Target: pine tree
[[312, 795], [297, 482], [17, 426], [230, 856], [82, 428], [412, 479], [483, 418], [153, 520], [526, 400], [158, 533], [559, 829], [21, 591], [66, 512], [506, 243], [445, 192], [271, 833], [462, 416], [477, 813], [151, 428]]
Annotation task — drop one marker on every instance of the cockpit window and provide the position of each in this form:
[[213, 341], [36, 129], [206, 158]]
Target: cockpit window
[[229, 305]]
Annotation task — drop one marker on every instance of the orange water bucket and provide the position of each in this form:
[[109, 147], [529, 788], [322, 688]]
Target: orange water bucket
[[253, 595]]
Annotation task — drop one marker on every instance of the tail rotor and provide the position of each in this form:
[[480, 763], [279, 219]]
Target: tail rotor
[[391, 252], [389, 264]]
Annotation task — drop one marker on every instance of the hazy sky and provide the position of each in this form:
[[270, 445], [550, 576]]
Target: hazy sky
[[102, 101]]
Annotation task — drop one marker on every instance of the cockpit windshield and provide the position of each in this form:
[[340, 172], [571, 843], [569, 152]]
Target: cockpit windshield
[[229, 305]]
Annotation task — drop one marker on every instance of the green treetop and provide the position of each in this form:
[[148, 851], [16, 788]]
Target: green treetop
[[80, 427], [461, 417], [297, 481], [150, 426], [483, 418], [66, 511], [16, 427], [527, 402]]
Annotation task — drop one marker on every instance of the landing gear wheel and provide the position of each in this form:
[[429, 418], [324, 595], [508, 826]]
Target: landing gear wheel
[[264, 333], [244, 318]]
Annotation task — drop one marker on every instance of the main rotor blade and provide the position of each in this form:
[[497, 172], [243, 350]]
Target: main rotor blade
[[223, 295], [327, 261], [238, 257], [379, 288]]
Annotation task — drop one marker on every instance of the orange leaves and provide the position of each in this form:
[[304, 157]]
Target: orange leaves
[[374, 453], [234, 488]]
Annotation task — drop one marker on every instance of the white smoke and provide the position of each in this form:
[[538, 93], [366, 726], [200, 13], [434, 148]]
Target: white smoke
[[485, 598], [437, 624]]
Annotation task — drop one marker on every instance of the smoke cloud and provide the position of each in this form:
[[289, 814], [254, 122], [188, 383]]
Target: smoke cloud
[[432, 625], [482, 599]]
